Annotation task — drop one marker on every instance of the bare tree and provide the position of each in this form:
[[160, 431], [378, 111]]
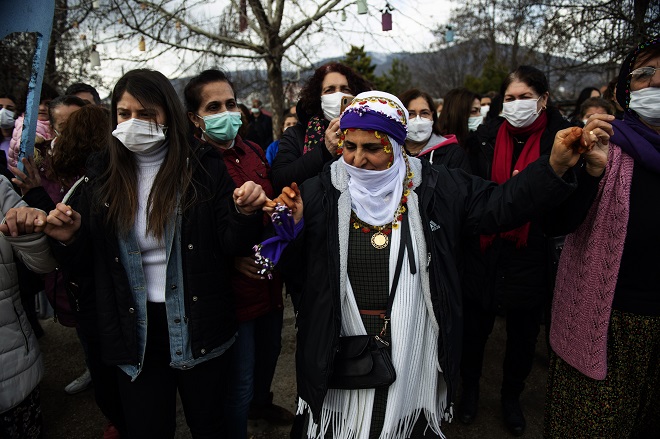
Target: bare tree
[[565, 35], [67, 60], [264, 31]]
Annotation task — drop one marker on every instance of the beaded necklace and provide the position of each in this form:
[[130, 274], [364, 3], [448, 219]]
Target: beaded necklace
[[380, 238]]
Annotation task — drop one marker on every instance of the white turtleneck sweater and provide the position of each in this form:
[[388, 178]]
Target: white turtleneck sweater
[[154, 255]]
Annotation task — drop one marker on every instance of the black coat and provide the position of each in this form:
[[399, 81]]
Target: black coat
[[211, 233], [516, 278], [457, 203]]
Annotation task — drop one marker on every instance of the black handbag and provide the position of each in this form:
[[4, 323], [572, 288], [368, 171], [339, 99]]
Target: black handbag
[[363, 361]]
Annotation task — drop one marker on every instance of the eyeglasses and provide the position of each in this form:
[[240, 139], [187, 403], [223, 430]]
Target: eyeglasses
[[643, 73]]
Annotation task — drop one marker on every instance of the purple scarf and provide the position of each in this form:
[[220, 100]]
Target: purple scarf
[[638, 141]]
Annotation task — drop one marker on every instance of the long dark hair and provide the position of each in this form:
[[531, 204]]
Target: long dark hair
[[414, 93], [455, 113], [584, 95], [310, 95], [119, 189]]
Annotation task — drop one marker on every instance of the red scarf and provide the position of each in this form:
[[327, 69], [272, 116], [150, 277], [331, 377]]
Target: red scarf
[[502, 169]]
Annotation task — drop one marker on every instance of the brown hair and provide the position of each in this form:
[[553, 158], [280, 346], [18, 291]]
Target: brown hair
[[85, 132], [310, 95], [119, 189], [414, 93], [596, 102], [455, 113]]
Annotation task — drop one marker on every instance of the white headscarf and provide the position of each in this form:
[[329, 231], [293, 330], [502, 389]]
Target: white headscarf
[[375, 195]]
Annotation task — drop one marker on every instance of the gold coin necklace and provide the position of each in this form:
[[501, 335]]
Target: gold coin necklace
[[380, 239]]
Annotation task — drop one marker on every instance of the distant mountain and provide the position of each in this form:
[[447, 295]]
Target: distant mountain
[[436, 72]]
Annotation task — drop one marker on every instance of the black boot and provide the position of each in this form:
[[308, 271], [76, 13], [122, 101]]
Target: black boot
[[513, 416], [467, 409]]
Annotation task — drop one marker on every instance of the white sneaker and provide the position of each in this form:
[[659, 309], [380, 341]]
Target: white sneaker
[[79, 384]]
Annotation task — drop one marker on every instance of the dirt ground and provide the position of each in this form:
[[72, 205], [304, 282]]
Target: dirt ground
[[77, 417]]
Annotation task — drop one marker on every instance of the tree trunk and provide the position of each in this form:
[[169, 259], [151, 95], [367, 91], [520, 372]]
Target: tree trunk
[[276, 91], [52, 75], [640, 6]]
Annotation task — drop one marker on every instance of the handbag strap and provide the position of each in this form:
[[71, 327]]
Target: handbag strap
[[406, 243]]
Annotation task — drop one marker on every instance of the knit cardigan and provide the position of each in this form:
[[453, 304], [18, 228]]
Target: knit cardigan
[[588, 272]]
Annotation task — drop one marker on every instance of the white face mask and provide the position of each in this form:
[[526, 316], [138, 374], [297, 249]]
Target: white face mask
[[484, 110], [646, 103], [140, 136], [521, 112], [6, 119], [420, 129], [474, 122], [331, 104]]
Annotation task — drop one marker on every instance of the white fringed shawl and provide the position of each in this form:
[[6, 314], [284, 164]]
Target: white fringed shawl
[[419, 385]]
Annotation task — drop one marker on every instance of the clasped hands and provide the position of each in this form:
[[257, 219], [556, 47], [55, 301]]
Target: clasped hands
[[63, 222], [591, 142]]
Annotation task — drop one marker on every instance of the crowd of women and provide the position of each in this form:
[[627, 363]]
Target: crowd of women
[[400, 235]]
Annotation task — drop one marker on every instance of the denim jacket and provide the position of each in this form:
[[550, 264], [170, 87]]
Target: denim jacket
[[180, 349]]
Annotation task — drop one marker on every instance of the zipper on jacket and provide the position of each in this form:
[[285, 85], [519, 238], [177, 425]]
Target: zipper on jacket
[[73, 295], [18, 320]]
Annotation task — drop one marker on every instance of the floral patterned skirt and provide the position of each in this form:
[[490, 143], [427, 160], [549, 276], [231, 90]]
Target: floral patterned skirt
[[23, 421], [626, 404]]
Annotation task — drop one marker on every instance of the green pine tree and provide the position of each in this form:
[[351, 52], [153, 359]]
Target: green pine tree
[[492, 75], [397, 79], [358, 60]]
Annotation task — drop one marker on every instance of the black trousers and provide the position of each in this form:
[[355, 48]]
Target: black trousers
[[522, 329], [150, 401]]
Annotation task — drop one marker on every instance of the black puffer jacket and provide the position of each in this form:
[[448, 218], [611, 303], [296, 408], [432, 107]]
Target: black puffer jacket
[[212, 232], [505, 275], [456, 203]]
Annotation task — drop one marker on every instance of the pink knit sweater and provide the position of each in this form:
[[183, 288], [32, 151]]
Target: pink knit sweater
[[588, 271], [43, 130]]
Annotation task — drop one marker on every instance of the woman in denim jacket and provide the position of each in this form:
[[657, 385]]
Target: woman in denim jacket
[[150, 231]]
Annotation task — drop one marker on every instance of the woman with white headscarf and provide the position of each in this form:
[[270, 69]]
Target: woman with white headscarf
[[357, 215]]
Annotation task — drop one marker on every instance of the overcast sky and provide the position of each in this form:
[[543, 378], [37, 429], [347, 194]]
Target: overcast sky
[[413, 21]]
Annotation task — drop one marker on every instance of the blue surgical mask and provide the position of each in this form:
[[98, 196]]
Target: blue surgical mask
[[222, 127]]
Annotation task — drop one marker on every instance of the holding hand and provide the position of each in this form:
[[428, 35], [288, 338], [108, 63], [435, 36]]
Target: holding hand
[[62, 223], [596, 139], [332, 136], [23, 221], [249, 198], [248, 266], [592, 141], [290, 197], [29, 179]]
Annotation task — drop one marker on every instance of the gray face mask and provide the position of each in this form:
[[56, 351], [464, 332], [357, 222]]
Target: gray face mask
[[6, 119]]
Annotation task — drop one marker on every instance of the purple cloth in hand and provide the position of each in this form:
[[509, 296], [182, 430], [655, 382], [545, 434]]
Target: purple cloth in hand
[[268, 253]]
